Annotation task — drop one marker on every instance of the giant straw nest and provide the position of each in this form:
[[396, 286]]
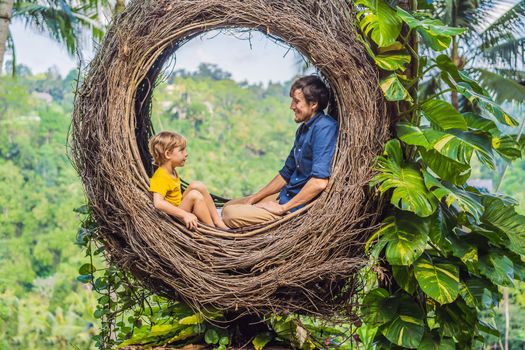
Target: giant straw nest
[[304, 262]]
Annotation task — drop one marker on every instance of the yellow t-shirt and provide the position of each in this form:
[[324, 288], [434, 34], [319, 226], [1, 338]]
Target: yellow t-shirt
[[167, 186]]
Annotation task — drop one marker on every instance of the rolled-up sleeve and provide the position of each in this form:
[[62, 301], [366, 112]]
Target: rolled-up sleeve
[[324, 141], [289, 166]]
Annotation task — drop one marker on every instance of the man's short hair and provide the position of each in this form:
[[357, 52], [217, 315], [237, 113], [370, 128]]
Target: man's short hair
[[162, 142], [314, 90]]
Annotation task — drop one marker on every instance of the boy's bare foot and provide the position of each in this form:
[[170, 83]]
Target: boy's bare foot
[[221, 224]]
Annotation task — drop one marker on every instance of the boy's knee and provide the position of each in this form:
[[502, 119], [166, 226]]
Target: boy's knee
[[197, 185], [195, 195]]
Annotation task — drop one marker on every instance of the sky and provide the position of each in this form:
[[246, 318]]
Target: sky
[[264, 61]]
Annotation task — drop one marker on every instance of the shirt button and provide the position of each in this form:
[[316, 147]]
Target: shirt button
[[299, 150]]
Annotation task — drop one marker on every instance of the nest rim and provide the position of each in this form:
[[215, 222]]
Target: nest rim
[[102, 199]]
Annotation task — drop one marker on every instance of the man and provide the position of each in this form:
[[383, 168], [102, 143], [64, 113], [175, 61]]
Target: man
[[307, 169]]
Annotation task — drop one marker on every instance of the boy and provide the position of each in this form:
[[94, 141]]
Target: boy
[[169, 152]]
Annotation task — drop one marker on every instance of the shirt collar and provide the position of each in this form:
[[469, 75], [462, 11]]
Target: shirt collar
[[309, 123]]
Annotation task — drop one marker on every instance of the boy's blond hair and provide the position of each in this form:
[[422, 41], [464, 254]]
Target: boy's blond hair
[[162, 142]]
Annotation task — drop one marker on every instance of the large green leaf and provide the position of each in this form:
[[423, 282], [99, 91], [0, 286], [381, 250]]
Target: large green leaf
[[378, 308], [431, 342], [437, 35], [440, 281], [393, 89], [446, 168], [504, 218], [406, 236], [409, 191], [477, 293], [497, 267], [392, 62], [407, 327], [404, 276], [443, 114], [379, 21], [457, 320], [469, 202], [507, 147], [454, 144]]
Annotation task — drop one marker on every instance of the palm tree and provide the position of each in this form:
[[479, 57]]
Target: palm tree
[[63, 20], [493, 48]]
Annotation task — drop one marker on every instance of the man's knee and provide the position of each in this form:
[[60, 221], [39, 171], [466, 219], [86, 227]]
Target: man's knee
[[230, 215]]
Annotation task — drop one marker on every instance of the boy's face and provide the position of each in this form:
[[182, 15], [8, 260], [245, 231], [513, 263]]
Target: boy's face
[[303, 110], [177, 156]]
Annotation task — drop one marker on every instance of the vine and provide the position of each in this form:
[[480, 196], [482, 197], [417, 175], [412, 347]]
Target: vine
[[448, 245]]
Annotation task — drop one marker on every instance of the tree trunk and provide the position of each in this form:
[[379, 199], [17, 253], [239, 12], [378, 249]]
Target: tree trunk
[[6, 7], [507, 316]]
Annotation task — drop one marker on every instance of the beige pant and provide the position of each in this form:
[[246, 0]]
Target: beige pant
[[242, 215]]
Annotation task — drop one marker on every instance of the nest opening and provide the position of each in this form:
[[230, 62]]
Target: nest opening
[[302, 263]]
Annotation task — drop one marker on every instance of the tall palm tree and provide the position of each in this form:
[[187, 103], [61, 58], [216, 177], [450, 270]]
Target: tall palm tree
[[493, 48], [65, 21]]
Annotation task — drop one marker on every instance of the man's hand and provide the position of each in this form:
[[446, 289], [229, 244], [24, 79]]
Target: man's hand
[[272, 207], [190, 221], [246, 200]]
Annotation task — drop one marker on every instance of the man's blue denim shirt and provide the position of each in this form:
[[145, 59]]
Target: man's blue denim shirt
[[311, 155]]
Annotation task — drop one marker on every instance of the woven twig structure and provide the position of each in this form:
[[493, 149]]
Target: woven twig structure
[[303, 262]]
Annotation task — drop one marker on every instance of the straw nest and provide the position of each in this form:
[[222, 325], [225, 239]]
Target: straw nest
[[305, 262]]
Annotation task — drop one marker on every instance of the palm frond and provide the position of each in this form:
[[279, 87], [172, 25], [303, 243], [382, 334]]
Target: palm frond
[[511, 21], [502, 88], [55, 22], [507, 50], [518, 75]]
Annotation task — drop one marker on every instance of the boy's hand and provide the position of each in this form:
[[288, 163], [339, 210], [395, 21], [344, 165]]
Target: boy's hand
[[190, 221]]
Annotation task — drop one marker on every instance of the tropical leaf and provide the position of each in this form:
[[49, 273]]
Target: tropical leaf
[[437, 35], [378, 307], [507, 147], [406, 236], [466, 201], [379, 21], [443, 114], [503, 89], [446, 168], [261, 339], [482, 99], [477, 293], [406, 329], [440, 281], [409, 191], [392, 62], [497, 267], [431, 342], [393, 89], [454, 144], [501, 216], [404, 276], [510, 21], [457, 320]]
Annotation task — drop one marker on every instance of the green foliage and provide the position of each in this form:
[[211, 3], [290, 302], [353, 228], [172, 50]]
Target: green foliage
[[42, 306], [449, 245]]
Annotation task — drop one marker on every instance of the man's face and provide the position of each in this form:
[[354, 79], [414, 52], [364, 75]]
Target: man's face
[[302, 109]]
